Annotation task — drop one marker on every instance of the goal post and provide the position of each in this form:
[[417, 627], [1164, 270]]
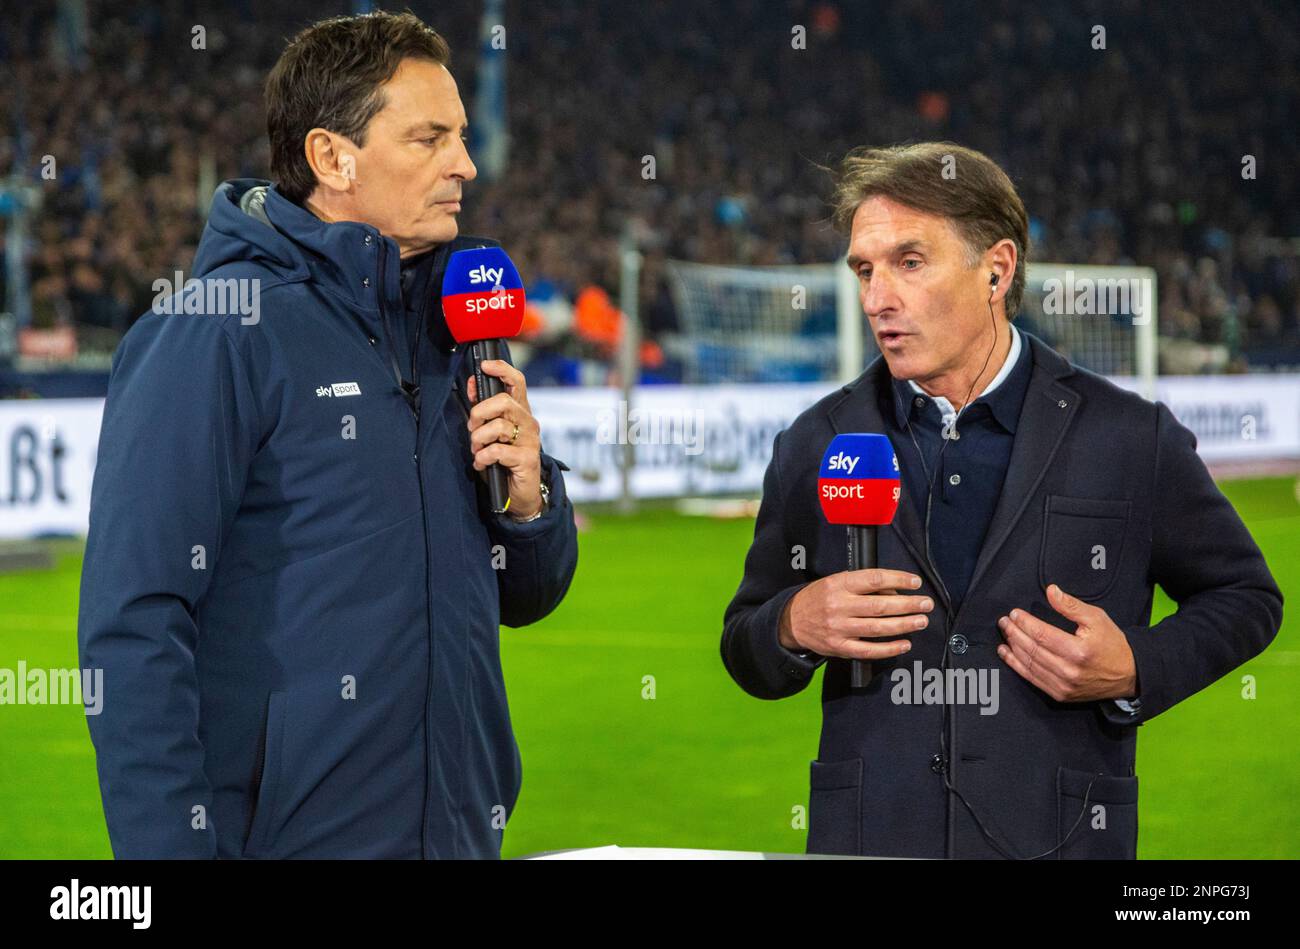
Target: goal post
[[1103, 318], [803, 323]]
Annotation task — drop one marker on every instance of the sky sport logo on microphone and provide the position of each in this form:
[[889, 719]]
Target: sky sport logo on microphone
[[482, 295], [858, 483]]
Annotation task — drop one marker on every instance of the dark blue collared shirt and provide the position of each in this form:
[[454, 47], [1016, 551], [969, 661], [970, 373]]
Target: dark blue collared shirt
[[415, 275], [967, 479]]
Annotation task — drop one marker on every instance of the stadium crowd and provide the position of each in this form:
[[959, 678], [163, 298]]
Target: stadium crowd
[[1131, 153]]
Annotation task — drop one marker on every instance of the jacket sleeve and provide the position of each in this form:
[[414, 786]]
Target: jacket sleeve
[[178, 432], [1202, 555], [540, 555], [751, 648]]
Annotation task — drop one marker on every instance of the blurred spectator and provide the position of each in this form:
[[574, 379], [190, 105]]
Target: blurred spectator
[[1132, 153]]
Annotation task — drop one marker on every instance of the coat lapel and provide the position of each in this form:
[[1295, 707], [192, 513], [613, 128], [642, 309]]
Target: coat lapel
[[1045, 417], [859, 411]]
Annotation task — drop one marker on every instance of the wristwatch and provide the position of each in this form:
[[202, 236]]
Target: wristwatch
[[546, 505]]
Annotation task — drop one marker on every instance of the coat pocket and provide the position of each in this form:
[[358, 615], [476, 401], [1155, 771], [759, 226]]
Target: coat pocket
[[1096, 815], [268, 779], [1083, 539], [835, 807]]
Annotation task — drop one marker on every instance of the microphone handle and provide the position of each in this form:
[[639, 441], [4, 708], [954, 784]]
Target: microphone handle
[[862, 556], [498, 478]]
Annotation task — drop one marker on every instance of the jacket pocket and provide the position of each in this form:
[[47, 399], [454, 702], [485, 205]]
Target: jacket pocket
[[835, 807], [268, 778], [1083, 539], [1103, 828]]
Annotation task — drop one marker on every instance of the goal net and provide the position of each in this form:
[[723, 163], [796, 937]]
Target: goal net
[[804, 324]]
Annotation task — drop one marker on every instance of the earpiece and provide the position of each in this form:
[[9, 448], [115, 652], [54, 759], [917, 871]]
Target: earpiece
[[993, 280]]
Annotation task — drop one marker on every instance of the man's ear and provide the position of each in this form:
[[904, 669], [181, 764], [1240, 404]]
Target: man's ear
[[332, 157]]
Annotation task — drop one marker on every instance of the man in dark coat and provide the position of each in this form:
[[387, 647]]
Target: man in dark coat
[[293, 579], [1006, 633]]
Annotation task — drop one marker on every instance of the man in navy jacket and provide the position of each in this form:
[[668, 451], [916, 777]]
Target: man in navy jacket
[[293, 580], [1007, 630]]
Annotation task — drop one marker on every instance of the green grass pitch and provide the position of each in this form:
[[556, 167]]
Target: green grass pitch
[[700, 764]]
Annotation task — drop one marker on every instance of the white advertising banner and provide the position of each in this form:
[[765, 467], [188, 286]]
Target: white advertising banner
[[1235, 418], [688, 440], [47, 458]]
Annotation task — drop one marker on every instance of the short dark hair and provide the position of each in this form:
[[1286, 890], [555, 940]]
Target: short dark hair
[[977, 197], [329, 76]]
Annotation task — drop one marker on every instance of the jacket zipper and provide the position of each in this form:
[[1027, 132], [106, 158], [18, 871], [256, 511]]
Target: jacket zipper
[[257, 786], [428, 553]]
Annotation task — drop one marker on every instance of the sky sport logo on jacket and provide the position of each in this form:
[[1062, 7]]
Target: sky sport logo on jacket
[[858, 483]]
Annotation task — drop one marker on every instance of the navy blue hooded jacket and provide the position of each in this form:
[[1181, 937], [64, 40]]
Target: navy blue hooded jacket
[[292, 580]]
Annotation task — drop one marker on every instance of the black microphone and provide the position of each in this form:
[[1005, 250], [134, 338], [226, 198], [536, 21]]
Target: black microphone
[[483, 303], [858, 486]]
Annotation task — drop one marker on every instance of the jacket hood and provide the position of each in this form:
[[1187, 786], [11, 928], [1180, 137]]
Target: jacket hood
[[236, 233]]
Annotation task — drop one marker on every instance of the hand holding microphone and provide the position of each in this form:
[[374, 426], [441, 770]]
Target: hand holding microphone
[[858, 486], [483, 302], [834, 615], [506, 438]]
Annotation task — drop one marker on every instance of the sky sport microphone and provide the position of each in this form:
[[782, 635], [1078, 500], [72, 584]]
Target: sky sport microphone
[[858, 486], [483, 302]]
